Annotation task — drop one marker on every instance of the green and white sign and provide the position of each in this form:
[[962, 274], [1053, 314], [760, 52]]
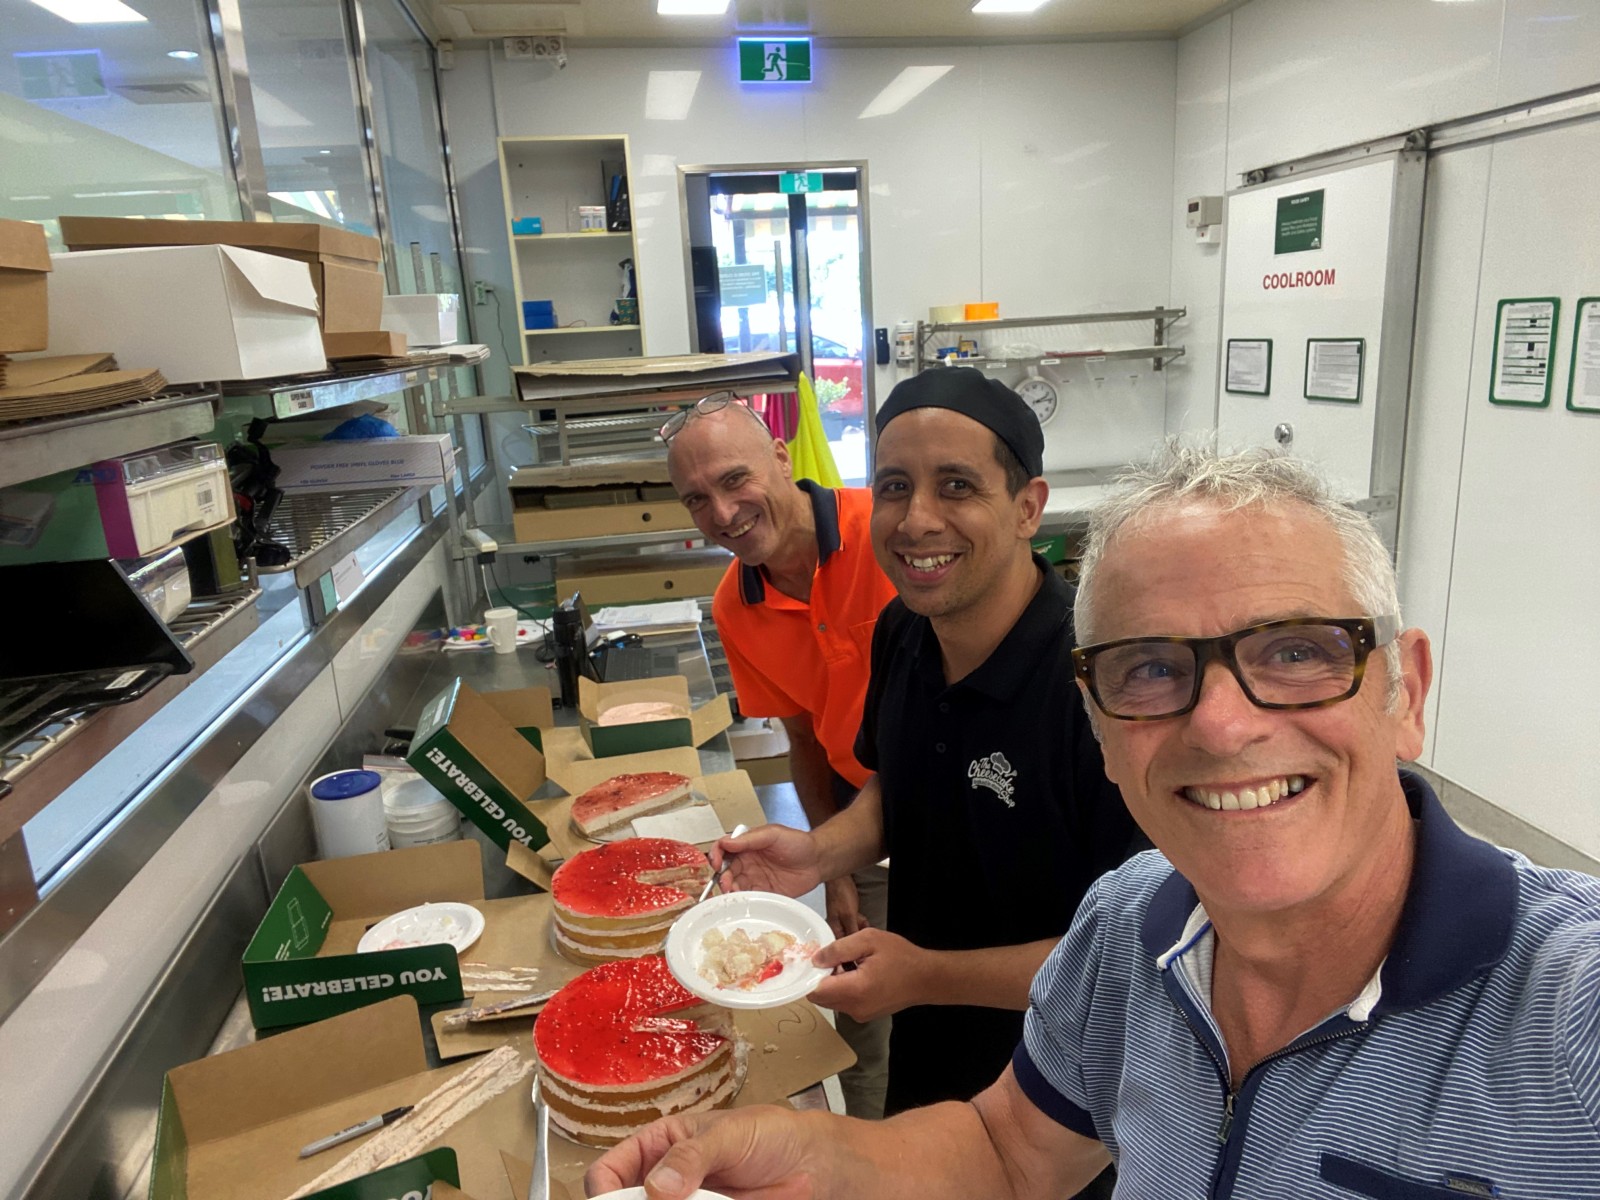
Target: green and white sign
[[792, 182], [1299, 225], [68, 75], [774, 61], [742, 284]]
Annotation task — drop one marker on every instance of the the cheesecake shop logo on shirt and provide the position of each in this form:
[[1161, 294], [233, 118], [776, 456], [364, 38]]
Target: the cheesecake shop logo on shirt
[[996, 774]]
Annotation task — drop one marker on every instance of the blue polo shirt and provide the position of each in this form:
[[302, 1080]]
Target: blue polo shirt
[[1468, 1066]]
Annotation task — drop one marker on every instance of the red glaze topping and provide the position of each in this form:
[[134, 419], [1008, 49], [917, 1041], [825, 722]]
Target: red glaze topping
[[604, 882], [596, 1030], [621, 791]]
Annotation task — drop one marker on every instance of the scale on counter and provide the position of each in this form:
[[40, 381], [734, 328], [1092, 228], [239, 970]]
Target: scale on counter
[[78, 637]]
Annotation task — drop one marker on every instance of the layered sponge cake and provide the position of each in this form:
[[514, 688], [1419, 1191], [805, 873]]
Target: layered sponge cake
[[610, 805], [625, 1044], [619, 900]]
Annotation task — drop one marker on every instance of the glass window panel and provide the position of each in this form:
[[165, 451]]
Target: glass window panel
[[302, 80], [111, 119]]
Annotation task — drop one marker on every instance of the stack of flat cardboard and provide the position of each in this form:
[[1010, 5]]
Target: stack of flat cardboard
[[71, 383]]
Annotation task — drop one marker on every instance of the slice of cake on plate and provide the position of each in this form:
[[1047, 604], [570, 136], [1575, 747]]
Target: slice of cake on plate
[[624, 1044], [619, 900], [616, 802]]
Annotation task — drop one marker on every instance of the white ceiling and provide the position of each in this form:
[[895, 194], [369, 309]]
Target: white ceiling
[[901, 21]]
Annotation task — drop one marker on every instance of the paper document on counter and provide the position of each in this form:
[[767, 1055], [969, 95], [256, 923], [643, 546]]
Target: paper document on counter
[[648, 616]]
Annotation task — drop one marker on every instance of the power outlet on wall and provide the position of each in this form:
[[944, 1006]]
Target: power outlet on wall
[[480, 292]]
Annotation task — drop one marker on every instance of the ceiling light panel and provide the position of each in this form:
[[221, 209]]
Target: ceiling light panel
[[1008, 6], [92, 12], [668, 95], [904, 88], [691, 8]]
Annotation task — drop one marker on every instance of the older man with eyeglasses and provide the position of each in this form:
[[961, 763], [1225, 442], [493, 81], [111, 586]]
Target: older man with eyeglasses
[[1319, 986], [795, 615]]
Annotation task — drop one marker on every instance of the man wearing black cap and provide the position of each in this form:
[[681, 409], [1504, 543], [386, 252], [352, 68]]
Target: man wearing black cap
[[990, 796]]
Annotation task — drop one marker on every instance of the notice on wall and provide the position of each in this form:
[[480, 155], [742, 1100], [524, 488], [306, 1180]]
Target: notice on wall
[[1333, 369], [1249, 370], [742, 284], [1524, 351], [1299, 224], [1583, 383]]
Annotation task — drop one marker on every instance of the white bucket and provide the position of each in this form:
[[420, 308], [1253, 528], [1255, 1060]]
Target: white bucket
[[347, 809], [417, 815]]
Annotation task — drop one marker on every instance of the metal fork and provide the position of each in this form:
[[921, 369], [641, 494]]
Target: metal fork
[[738, 831], [539, 1181]]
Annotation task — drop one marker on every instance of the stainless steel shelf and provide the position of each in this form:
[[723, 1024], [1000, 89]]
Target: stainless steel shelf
[[298, 395], [667, 397], [34, 449], [1161, 353], [37, 773], [623, 424], [504, 536], [1144, 314], [319, 529]]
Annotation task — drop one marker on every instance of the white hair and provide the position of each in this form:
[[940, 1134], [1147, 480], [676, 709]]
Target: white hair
[[1266, 479]]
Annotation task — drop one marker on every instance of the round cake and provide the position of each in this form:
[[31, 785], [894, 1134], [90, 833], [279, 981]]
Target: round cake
[[619, 900], [624, 1044]]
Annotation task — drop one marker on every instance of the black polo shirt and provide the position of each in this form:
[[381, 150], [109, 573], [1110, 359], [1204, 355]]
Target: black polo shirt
[[997, 814]]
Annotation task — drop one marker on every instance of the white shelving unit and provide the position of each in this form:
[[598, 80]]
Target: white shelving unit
[[578, 271]]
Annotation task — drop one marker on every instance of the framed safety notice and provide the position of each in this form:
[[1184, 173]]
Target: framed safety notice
[[1524, 351], [1249, 369], [1583, 381]]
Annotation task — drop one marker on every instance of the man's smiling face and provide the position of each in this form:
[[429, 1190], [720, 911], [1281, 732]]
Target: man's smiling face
[[735, 479], [1299, 794], [944, 527]]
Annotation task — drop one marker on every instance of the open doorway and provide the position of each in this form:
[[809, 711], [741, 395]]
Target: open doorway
[[778, 260]]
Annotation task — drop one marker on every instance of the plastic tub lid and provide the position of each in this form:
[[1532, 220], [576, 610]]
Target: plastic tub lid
[[412, 795], [342, 785]]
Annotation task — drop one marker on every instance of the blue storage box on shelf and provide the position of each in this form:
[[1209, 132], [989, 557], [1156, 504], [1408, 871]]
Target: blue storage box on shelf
[[526, 225], [538, 314]]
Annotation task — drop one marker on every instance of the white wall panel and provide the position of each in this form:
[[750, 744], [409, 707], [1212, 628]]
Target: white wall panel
[[1519, 707], [1035, 176], [1199, 168], [1441, 384], [1312, 75]]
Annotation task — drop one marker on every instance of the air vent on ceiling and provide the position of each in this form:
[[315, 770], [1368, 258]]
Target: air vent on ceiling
[[185, 92]]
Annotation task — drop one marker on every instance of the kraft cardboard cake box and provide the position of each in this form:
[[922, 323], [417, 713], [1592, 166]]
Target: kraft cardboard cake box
[[471, 753], [696, 728], [231, 1126], [530, 710], [302, 964]]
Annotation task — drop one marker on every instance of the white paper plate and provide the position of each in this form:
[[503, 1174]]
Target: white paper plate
[[755, 913], [457, 925]]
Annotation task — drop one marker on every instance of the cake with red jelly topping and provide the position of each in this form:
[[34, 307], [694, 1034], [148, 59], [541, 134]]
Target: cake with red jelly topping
[[619, 900], [624, 1044], [620, 799]]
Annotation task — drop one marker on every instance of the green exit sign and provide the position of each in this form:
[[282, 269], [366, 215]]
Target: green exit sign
[[774, 60], [791, 182]]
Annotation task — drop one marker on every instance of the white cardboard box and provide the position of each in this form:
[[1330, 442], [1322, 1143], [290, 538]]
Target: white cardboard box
[[426, 320], [196, 313], [379, 462]]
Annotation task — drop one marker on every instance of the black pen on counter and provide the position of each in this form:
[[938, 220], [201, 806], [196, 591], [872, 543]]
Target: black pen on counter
[[356, 1130]]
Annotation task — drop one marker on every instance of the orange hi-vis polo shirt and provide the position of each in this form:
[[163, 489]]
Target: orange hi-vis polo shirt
[[789, 657]]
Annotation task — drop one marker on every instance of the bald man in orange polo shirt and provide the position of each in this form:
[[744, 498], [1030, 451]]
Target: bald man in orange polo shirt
[[795, 613]]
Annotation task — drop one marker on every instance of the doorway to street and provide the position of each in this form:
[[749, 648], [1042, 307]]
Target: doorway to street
[[778, 261]]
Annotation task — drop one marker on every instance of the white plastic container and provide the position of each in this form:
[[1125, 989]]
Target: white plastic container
[[417, 815], [148, 500], [347, 809]]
